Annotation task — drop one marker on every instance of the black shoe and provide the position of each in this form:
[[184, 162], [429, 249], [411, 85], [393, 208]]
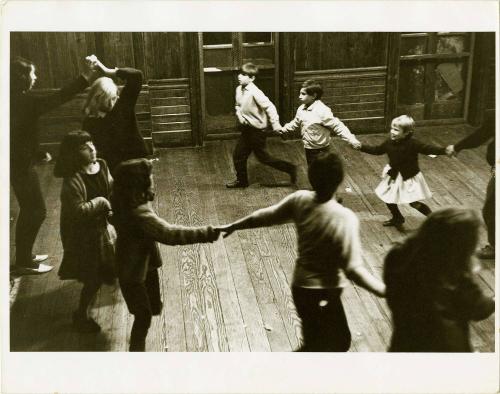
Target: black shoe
[[237, 185], [85, 324], [293, 175], [393, 222]]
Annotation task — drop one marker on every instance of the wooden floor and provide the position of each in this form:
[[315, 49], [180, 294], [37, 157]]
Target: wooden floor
[[234, 295]]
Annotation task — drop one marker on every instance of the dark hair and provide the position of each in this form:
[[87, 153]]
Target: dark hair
[[313, 88], [326, 173], [131, 186], [249, 69], [20, 70], [443, 245], [68, 162]]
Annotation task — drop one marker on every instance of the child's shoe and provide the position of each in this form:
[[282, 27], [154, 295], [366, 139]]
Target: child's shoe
[[394, 222], [85, 324]]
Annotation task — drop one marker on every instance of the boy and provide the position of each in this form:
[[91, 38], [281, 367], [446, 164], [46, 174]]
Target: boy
[[255, 112], [316, 122]]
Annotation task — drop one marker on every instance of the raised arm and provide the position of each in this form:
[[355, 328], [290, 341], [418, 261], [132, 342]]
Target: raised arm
[[478, 137]]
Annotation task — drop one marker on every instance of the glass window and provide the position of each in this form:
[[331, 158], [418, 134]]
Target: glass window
[[217, 38], [451, 44], [257, 37]]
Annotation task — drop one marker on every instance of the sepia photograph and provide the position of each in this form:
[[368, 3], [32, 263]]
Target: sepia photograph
[[232, 196]]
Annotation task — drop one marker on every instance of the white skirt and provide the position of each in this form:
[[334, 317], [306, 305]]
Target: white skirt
[[399, 191]]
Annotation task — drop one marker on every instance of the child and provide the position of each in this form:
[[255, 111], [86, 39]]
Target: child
[[328, 247], [255, 113], [402, 181], [316, 122], [87, 237], [25, 110], [137, 253], [431, 289], [110, 119]]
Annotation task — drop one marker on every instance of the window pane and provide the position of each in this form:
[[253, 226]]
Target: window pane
[[452, 44], [256, 37], [413, 45], [217, 38]]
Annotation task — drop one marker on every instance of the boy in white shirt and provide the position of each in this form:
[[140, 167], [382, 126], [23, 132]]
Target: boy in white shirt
[[316, 122], [255, 113]]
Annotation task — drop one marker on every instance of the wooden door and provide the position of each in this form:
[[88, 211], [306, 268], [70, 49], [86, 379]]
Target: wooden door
[[221, 55]]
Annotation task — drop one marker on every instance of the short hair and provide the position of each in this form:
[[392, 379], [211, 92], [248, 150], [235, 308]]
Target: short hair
[[326, 173], [131, 185], [313, 88], [406, 122], [101, 89], [250, 69], [20, 69], [68, 162]]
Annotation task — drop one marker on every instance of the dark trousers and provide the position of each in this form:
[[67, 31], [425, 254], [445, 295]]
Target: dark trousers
[[489, 210], [419, 206], [143, 300], [254, 140], [324, 323], [32, 212], [311, 154]]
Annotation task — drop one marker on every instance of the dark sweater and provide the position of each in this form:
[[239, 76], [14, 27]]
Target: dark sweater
[[430, 317], [25, 109], [480, 136], [116, 135], [403, 155]]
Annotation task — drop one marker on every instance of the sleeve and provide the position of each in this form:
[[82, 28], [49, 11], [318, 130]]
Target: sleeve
[[294, 125], [374, 149], [263, 101], [43, 104], [159, 230], [337, 126], [133, 85], [351, 243], [237, 107], [478, 137], [72, 196], [428, 149], [471, 303]]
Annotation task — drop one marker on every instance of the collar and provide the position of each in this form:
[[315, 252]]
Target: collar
[[247, 87], [312, 106]]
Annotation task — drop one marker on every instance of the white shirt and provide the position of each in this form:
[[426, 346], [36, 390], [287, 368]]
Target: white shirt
[[316, 123], [256, 108]]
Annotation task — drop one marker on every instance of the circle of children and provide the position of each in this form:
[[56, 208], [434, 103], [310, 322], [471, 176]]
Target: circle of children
[[109, 229]]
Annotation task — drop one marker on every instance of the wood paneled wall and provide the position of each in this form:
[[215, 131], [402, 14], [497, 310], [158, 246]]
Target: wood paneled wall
[[59, 55]]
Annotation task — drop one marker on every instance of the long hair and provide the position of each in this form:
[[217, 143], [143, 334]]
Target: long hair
[[68, 162], [442, 248], [131, 186], [20, 70], [102, 89], [326, 173]]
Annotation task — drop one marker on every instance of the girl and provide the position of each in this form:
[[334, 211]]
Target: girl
[[402, 181], [25, 109], [110, 119], [87, 237], [431, 289], [138, 256], [328, 247]]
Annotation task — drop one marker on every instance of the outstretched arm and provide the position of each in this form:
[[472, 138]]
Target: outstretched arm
[[366, 280], [338, 127]]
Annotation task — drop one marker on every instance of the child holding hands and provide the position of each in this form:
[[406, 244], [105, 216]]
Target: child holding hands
[[402, 181], [139, 229]]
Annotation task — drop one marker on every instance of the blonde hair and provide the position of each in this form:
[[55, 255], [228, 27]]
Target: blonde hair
[[406, 122], [102, 89]]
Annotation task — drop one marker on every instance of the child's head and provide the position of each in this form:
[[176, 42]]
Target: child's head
[[101, 98], [132, 185], [446, 242], [311, 91], [22, 75], [326, 173], [402, 127], [75, 152], [247, 73]]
